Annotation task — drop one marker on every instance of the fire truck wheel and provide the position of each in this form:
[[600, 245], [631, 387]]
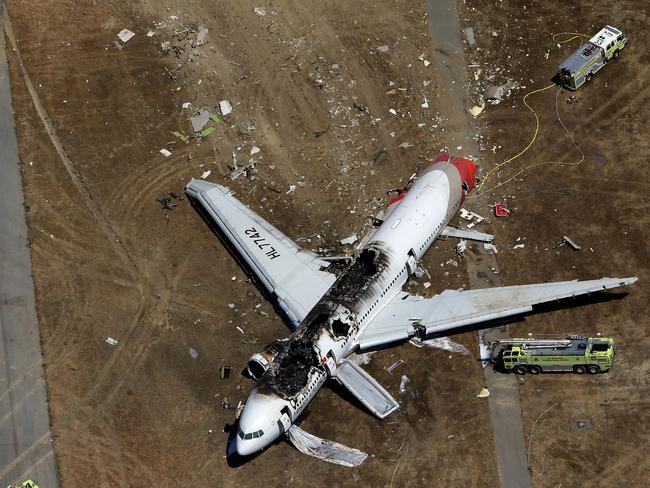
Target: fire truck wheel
[[534, 370], [593, 369], [520, 369], [616, 54], [579, 369], [589, 76]]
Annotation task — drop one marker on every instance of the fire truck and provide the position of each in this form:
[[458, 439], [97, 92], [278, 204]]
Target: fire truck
[[592, 56], [578, 354]]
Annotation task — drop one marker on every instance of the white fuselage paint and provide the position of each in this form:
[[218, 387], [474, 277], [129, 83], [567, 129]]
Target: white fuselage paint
[[404, 237]]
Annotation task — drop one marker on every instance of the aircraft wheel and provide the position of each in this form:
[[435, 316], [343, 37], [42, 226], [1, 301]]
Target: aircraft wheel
[[579, 369], [520, 369], [593, 369], [534, 370]]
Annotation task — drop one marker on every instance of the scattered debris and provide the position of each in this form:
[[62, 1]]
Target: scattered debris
[[150, 34], [291, 189], [181, 136], [194, 353], [351, 239], [227, 405], [166, 202], [474, 218], [404, 383], [247, 170], [225, 107], [406, 145], [393, 366], [254, 150], [501, 210], [477, 109], [207, 131], [425, 104], [569, 242], [461, 247], [581, 425], [200, 37], [393, 111], [484, 393], [383, 49], [225, 372], [329, 451], [469, 35], [186, 105], [125, 35], [206, 174], [421, 58], [426, 284], [444, 343], [518, 246], [200, 120], [111, 341], [574, 99], [165, 152], [259, 11], [490, 247]]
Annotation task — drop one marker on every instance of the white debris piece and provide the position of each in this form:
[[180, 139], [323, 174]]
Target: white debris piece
[[255, 150], [125, 35], [484, 349], [484, 393], [421, 58], [351, 239], [194, 353], [206, 174], [461, 247], [444, 343], [200, 120], [383, 49], [360, 359], [406, 145], [327, 450], [393, 111], [259, 11], [200, 36], [425, 104], [469, 35], [426, 284], [291, 189], [519, 246], [111, 341], [477, 109], [404, 383], [490, 247], [151, 34], [225, 107], [392, 367], [165, 152], [186, 105]]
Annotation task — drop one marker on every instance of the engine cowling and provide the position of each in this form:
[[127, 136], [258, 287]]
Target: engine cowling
[[260, 361]]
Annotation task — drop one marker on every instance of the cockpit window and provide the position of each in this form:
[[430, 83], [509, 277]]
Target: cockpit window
[[248, 436], [241, 433], [260, 432], [256, 435]]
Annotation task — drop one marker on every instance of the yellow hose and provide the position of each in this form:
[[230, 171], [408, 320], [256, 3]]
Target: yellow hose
[[574, 35], [532, 141]]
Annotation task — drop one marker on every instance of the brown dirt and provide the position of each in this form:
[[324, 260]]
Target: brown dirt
[[602, 204], [108, 261]]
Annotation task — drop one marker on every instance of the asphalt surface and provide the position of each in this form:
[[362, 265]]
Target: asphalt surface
[[26, 450], [451, 71]]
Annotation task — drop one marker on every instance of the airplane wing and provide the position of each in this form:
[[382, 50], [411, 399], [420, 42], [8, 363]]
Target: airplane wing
[[293, 277], [408, 315]]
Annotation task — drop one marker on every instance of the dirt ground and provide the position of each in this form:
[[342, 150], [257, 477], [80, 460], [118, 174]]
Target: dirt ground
[[600, 203], [311, 85]]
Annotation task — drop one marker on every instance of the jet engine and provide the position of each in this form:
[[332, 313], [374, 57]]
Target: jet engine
[[260, 361]]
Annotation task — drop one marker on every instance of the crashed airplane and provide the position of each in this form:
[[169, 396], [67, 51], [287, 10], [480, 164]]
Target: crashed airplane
[[360, 309]]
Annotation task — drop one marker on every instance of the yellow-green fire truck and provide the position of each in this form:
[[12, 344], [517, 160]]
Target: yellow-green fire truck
[[576, 353], [591, 57]]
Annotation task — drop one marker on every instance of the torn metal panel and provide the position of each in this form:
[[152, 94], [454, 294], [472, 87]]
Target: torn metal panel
[[324, 449]]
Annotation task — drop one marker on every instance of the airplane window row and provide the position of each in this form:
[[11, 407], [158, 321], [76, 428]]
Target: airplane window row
[[250, 435]]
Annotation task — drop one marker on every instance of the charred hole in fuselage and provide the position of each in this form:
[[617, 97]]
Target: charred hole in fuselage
[[340, 328], [358, 274]]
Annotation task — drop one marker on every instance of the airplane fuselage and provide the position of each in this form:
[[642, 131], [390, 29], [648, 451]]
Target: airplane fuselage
[[327, 334]]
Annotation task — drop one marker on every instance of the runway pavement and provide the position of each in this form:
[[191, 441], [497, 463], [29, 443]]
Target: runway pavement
[[26, 450]]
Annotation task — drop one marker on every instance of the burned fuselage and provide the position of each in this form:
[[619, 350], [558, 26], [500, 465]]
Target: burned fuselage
[[327, 333]]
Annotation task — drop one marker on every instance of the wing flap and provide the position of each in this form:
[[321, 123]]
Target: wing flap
[[366, 389], [471, 235]]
